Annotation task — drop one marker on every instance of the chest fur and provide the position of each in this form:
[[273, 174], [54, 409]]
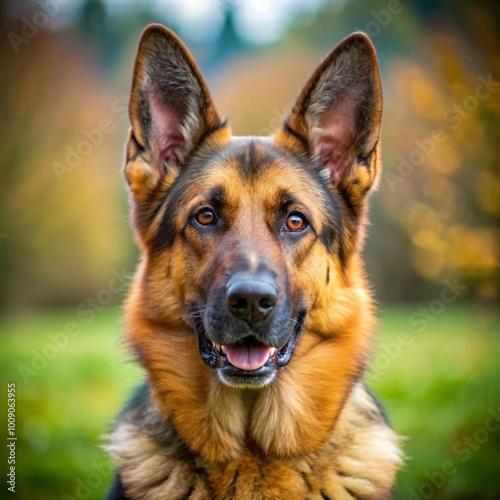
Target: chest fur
[[358, 460]]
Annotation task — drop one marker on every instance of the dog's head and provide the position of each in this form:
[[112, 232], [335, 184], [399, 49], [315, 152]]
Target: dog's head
[[245, 237]]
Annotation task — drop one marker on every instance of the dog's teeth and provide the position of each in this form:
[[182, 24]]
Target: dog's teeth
[[217, 346], [223, 349], [272, 352]]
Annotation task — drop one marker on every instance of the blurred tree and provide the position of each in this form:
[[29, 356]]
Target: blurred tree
[[61, 213]]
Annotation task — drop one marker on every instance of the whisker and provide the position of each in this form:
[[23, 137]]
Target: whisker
[[294, 321], [194, 314]]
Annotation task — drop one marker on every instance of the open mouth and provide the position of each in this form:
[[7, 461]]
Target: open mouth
[[249, 355], [247, 362]]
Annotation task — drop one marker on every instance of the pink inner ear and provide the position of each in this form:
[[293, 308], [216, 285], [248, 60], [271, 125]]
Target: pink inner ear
[[335, 145], [168, 140]]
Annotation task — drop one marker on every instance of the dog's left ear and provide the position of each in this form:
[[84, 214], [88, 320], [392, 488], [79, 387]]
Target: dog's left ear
[[338, 115], [171, 110]]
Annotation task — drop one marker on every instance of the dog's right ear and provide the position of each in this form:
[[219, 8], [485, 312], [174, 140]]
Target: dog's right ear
[[337, 117], [170, 109]]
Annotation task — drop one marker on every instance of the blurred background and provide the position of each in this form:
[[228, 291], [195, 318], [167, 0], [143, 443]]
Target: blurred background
[[67, 253]]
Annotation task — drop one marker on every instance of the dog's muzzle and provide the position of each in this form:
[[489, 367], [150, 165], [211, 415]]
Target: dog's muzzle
[[247, 333]]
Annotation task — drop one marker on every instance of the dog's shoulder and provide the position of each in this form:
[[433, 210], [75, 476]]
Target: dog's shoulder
[[151, 459]]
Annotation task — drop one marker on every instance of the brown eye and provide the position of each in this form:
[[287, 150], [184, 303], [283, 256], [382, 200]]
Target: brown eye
[[205, 217], [295, 222]]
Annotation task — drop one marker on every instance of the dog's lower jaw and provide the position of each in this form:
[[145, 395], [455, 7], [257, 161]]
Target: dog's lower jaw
[[242, 381], [216, 358], [358, 459]]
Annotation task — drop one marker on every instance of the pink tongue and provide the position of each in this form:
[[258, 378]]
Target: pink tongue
[[248, 357]]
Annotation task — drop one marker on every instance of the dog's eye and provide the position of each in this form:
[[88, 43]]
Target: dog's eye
[[205, 217], [295, 222]]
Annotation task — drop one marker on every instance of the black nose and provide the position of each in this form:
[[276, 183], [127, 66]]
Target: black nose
[[251, 297]]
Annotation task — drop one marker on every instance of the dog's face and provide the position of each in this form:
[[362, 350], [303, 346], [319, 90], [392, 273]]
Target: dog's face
[[245, 237], [254, 227]]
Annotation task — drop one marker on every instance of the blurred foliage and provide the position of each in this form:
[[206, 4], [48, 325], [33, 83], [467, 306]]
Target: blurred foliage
[[62, 218], [441, 186]]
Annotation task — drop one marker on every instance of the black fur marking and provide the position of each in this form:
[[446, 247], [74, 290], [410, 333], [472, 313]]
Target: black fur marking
[[306, 481], [165, 236], [207, 133], [138, 149], [328, 275], [144, 115], [248, 161], [324, 496], [138, 400], [332, 235], [140, 412], [217, 198], [382, 415], [365, 159], [252, 157], [300, 138], [261, 472], [328, 237], [353, 495], [353, 211], [160, 481], [232, 488], [187, 496], [116, 490]]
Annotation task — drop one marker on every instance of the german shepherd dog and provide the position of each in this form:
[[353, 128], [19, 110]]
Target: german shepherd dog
[[250, 310]]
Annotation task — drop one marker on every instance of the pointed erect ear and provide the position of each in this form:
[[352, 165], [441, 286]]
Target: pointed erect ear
[[338, 114], [170, 107]]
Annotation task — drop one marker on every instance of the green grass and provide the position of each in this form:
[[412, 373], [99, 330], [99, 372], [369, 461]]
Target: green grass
[[65, 407], [439, 392], [438, 389]]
